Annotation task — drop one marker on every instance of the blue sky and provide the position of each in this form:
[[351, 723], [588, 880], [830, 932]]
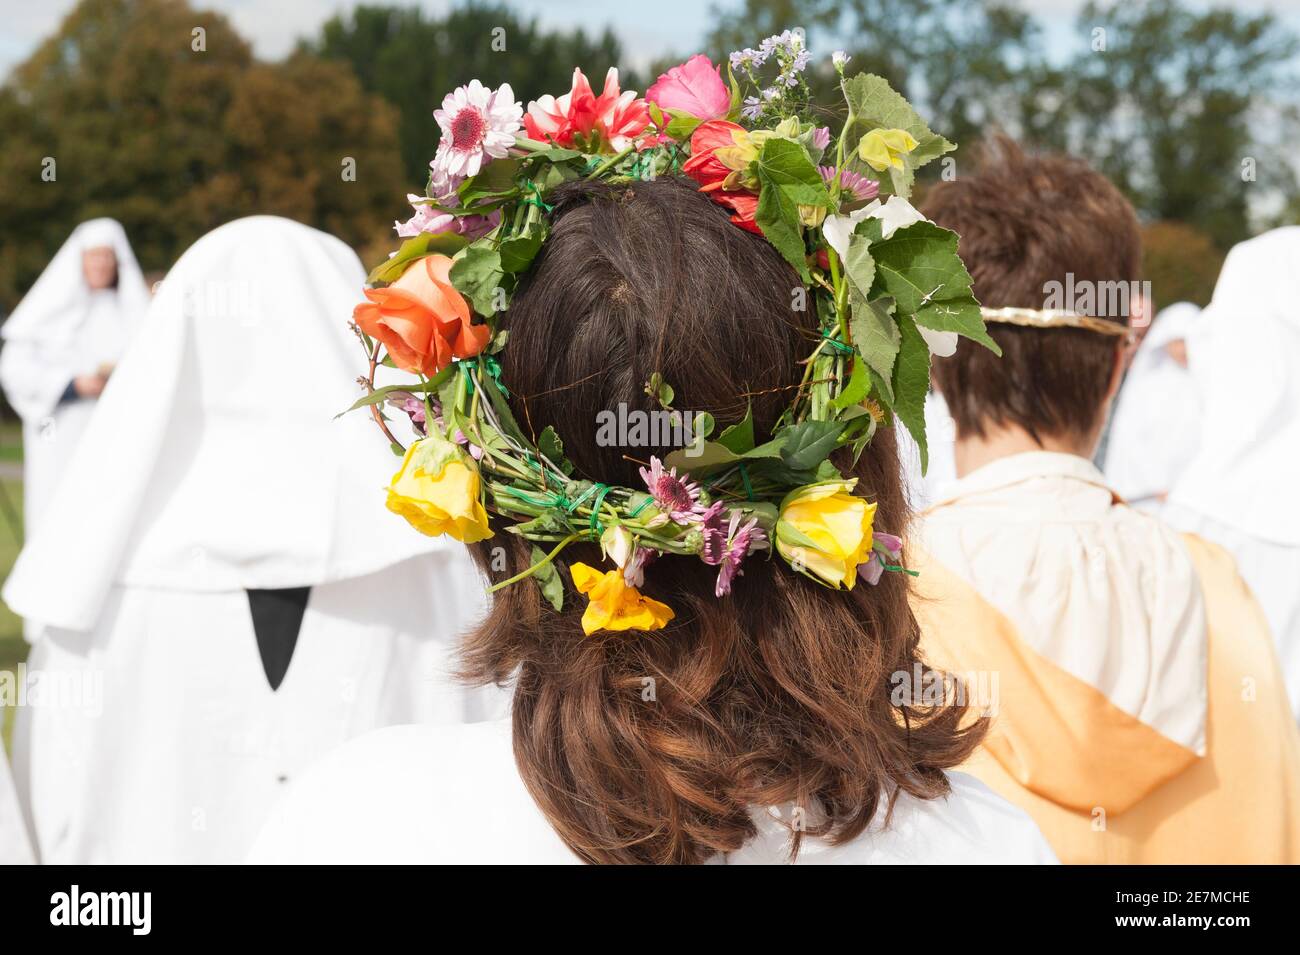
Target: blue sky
[[647, 30]]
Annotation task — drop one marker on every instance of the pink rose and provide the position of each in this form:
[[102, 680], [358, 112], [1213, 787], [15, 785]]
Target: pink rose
[[695, 87]]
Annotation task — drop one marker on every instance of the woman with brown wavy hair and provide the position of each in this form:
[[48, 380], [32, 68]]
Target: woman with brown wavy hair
[[766, 726]]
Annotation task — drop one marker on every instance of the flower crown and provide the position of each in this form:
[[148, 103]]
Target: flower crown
[[886, 285]]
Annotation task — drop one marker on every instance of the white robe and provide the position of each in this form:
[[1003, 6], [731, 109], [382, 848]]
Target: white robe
[[1101, 590], [1156, 424], [453, 795], [183, 747], [60, 330], [940, 436], [215, 465], [15, 847], [1240, 488]]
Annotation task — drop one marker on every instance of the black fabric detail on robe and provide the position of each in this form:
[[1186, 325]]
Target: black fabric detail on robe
[[277, 618]]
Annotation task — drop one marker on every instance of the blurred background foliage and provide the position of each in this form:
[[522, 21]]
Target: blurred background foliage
[[173, 142]]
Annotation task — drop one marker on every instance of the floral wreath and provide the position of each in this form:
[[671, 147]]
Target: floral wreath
[[887, 286]]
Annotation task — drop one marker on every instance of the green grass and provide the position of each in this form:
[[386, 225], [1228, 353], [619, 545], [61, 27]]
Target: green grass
[[13, 648]]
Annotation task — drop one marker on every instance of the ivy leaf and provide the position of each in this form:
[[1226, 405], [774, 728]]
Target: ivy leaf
[[919, 267], [911, 383], [809, 443], [548, 579], [477, 273]]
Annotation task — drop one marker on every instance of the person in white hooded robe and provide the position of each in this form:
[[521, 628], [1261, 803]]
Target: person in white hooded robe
[[15, 848], [219, 561], [60, 345], [1157, 422], [1239, 490]]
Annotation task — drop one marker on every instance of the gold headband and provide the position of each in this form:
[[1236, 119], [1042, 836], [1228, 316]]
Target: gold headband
[[1053, 318]]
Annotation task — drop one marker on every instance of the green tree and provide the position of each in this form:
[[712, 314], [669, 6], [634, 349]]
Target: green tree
[[174, 132], [1177, 100], [413, 60]]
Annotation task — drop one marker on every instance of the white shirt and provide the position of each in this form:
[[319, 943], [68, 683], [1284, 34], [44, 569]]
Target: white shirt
[[452, 794], [1104, 591]]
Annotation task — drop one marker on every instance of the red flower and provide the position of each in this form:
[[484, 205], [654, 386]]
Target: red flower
[[581, 118], [712, 173]]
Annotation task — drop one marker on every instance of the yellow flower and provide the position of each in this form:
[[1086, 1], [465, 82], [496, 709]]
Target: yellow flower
[[882, 148], [826, 531], [437, 491], [614, 605]]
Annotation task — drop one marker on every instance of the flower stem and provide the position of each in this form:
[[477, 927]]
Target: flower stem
[[532, 569]]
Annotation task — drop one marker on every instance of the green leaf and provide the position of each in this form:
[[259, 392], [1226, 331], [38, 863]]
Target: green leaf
[[660, 391], [702, 426], [518, 251], [417, 247], [785, 163], [556, 154], [911, 383], [714, 454], [415, 388], [918, 266], [874, 104], [548, 579], [477, 274], [809, 443], [859, 266], [495, 181], [875, 333], [681, 125], [778, 218], [552, 448], [856, 388], [739, 438]]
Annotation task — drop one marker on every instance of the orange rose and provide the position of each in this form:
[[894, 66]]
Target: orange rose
[[421, 318]]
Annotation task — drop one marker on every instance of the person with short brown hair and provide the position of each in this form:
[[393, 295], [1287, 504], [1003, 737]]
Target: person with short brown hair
[[1122, 651]]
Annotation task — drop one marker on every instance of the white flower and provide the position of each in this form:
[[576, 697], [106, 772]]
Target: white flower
[[941, 344], [894, 214], [478, 124], [839, 58], [617, 545]]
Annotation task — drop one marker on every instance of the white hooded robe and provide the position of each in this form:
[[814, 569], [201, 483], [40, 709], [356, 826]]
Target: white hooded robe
[[215, 466]]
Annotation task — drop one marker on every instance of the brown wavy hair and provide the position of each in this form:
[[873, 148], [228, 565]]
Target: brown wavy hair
[[653, 747]]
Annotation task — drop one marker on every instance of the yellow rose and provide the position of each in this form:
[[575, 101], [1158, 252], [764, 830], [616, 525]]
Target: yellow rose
[[826, 531], [882, 148], [437, 491], [614, 605]]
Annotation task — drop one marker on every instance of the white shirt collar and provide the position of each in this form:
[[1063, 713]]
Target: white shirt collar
[[1026, 466]]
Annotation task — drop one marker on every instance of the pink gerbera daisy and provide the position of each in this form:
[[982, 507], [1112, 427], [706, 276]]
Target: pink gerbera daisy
[[478, 125], [677, 497]]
